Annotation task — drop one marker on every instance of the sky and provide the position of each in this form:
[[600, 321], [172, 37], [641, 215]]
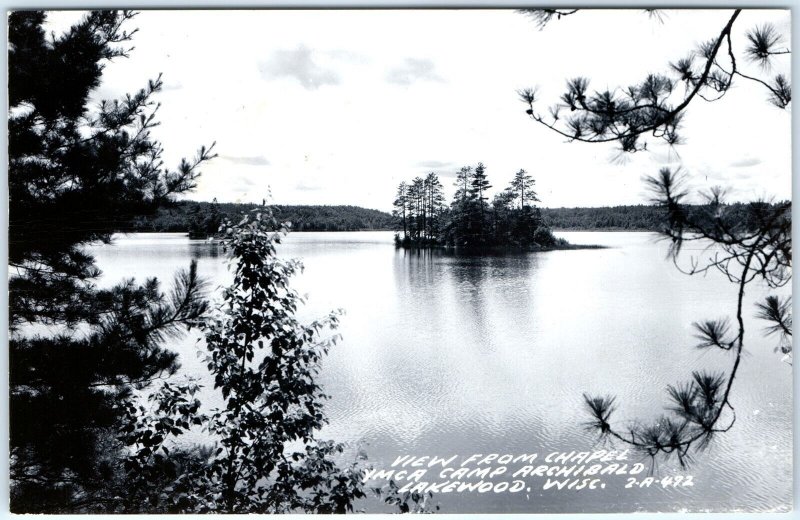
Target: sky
[[340, 106]]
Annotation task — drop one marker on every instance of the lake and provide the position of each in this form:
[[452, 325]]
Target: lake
[[455, 355]]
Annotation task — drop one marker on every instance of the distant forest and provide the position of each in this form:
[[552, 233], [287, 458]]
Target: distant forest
[[628, 218], [203, 218]]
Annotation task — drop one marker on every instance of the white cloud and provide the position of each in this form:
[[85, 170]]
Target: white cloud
[[256, 160], [299, 64], [411, 71], [435, 164], [308, 89], [746, 162]]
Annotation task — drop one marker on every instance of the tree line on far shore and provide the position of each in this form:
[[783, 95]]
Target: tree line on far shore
[[202, 219], [635, 217]]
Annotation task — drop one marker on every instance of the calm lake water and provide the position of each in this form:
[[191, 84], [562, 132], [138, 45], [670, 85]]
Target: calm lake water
[[447, 355]]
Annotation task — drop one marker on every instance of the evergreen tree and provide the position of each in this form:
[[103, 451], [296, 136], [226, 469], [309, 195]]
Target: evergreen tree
[[754, 240], [753, 244], [522, 189], [526, 224], [502, 213], [480, 185], [463, 183], [79, 442], [458, 229], [401, 206], [435, 202], [426, 210], [416, 196], [76, 175], [628, 114]]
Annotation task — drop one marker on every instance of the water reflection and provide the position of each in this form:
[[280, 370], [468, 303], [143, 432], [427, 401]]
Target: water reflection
[[448, 354], [205, 249]]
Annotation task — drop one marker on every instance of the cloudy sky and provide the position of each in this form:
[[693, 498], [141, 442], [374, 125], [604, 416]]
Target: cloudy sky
[[338, 107]]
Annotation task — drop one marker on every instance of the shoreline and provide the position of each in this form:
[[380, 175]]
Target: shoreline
[[500, 249], [571, 230]]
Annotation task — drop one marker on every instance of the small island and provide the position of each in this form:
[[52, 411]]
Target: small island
[[510, 222]]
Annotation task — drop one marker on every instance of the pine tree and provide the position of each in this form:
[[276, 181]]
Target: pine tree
[[503, 216], [435, 202], [463, 183], [480, 184], [522, 188], [416, 196], [401, 206], [77, 175], [753, 241], [630, 113]]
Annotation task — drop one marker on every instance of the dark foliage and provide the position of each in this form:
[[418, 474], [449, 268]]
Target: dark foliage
[[641, 217], [778, 311], [263, 454], [655, 105], [616, 218], [202, 219], [88, 433], [744, 242], [76, 175], [511, 221]]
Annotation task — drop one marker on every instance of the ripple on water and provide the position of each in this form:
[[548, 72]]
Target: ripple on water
[[447, 355]]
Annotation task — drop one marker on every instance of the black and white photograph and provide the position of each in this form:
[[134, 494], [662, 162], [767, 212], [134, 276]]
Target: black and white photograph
[[397, 260]]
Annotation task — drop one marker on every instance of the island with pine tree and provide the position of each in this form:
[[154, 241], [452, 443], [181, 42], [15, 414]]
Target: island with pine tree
[[511, 221]]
